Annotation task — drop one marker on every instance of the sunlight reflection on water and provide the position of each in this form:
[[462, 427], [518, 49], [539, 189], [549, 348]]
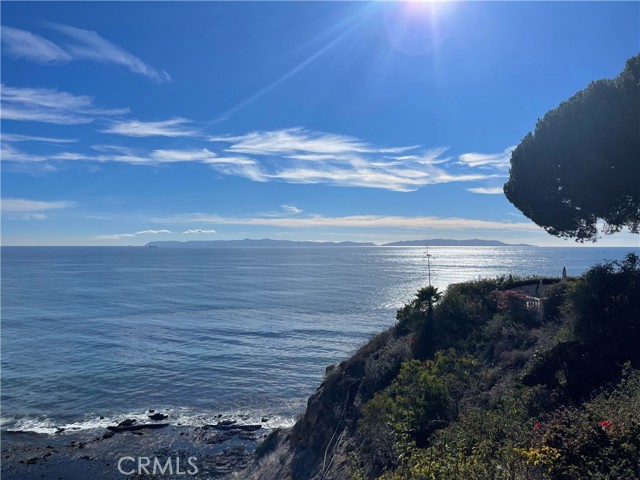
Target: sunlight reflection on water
[[121, 330]]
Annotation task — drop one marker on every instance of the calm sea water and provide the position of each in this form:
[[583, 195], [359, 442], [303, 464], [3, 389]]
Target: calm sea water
[[244, 332]]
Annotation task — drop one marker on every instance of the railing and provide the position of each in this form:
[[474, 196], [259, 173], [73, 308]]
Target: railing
[[533, 303]]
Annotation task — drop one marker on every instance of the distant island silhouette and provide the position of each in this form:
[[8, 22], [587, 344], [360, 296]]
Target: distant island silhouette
[[267, 242]]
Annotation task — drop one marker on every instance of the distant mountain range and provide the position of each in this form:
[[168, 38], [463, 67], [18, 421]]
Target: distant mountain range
[[267, 242]]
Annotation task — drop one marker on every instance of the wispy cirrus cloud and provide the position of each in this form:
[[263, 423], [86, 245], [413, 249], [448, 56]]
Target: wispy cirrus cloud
[[293, 155], [16, 138], [51, 106], [118, 236], [16, 160], [399, 179], [227, 165], [25, 209], [11, 154], [487, 190], [352, 221], [488, 160], [23, 44], [175, 127], [291, 209], [297, 155], [152, 232], [85, 45], [197, 231], [292, 140], [13, 205], [156, 157]]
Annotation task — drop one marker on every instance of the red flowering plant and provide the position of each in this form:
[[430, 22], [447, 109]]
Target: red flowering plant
[[512, 304], [606, 424], [509, 300]]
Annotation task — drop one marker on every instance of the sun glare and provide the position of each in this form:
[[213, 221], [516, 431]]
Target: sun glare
[[416, 27]]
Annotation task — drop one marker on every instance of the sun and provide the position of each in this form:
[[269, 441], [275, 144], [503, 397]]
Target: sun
[[416, 27]]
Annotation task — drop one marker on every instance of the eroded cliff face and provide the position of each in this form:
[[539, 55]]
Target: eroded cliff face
[[318, 446]]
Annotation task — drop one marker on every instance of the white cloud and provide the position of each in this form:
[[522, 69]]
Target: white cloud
[[291, 209], [12, 154], [154, 157], [24, 209], [292, 140], [400, 179], [429, 157], [175, 127], [21, 205], [152, 232], [198, 231], [22, 44], [297, 155], [495, 160], [10, 112], [85, 45], [228, 165], [15, 138], [487, 190], [118, 236], [50, 106], [353, 221], [115, 236], [241, 167], [91, 46]]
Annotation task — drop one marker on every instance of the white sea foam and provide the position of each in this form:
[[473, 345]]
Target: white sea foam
[[177, 417]]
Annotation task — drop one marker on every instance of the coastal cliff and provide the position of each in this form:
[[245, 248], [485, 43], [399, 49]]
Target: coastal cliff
[[505, 378]]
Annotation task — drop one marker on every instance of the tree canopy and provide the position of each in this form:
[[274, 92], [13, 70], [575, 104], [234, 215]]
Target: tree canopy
[[580, 169]]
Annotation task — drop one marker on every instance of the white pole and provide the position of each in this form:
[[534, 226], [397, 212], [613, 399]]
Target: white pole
[[428, 264]]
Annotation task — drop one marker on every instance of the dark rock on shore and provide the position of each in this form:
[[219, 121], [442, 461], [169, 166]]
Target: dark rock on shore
[[233, 426], [95, 454], [158, 416], [130, 425]]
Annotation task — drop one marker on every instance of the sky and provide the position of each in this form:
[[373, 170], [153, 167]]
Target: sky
[[124, 123]]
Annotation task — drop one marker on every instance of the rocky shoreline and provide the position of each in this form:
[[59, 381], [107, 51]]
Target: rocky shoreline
[[217, 450]]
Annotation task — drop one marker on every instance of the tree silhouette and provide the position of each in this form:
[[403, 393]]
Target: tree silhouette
[[581, 167], [426, 298]]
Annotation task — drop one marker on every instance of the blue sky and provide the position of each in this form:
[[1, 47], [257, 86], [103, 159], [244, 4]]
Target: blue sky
[[124, 123]]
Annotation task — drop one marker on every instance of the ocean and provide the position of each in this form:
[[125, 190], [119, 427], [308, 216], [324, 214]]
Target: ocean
[[91, 336]]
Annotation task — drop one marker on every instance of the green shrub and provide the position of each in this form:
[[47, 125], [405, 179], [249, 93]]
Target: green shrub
[[600, 440], [408, 319], [455, 318], [421, 399], [605, 304], [501, 336], [529, 412], [603, 308], [482, 444], [417, 402], [555, 298], [382, 367]]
